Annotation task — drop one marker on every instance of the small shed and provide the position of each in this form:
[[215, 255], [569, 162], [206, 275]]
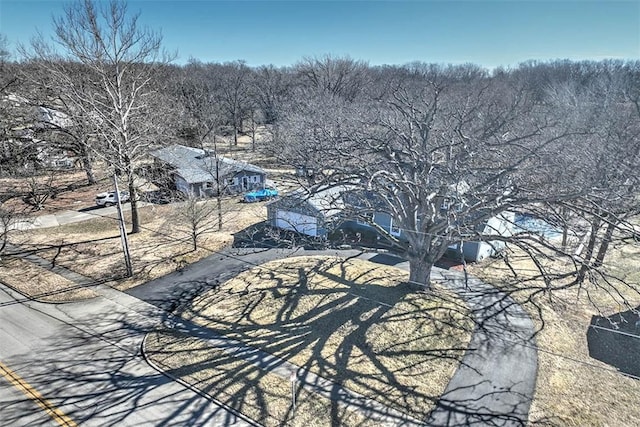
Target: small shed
[[307, 211]]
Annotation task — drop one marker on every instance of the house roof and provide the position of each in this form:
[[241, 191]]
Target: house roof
[[196, 165], [326, 200]]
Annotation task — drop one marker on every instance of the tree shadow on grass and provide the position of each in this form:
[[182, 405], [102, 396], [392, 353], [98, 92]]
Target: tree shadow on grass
[[383, 342], [103, 259]]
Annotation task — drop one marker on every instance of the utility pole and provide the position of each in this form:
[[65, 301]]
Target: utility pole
[[123, 230]]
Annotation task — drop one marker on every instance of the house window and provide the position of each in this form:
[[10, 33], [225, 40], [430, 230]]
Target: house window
[[254, 178], [445, 205], [206, 186]]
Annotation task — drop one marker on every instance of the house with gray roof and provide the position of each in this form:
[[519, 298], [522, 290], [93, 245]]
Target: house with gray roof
[[318, 211], [313, 212], [201, 173]]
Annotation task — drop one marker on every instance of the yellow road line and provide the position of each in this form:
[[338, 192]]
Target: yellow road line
[[55, 413]]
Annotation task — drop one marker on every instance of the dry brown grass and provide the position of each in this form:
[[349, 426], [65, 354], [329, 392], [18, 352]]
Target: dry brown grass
[[258, 394], [93, 248], [574, 389], [70, 186], [39, 283], [354, 322]]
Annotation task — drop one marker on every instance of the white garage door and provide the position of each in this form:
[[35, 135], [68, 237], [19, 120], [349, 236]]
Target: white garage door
[[294, 221]]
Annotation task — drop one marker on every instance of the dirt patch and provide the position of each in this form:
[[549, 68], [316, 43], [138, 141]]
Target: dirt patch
[[354, 322]]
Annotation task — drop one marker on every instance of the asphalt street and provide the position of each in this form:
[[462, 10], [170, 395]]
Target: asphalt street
[[84, 359], [177, 288]]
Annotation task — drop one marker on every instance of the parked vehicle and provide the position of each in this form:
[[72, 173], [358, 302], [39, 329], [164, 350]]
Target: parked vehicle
[[260, 195], [109, 198]]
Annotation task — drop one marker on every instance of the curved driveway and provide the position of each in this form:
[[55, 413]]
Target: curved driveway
[[495, 382]]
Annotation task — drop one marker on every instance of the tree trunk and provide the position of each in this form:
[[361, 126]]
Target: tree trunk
[[253, 131], [219, 206], [133, 197], [218, 186], [87, 166], [565, 229], [235, 131], [604, 245], [420, 273], [253, 140], [586, 258]]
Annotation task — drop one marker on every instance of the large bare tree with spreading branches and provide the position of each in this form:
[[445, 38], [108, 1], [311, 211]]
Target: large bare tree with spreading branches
[[448, 149], [119, 59]]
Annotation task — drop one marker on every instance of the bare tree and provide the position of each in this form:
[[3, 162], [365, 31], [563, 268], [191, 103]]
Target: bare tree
[[445, 152], [7, 77], [120, 59], [195, 217], [60, 122], [13, 114], [611, 158], [234, 95], [341, 77], [9, 220], [197, 95], [271, 88], [39, 190]]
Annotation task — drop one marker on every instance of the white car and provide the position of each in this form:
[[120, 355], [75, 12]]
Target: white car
[[109, 198]]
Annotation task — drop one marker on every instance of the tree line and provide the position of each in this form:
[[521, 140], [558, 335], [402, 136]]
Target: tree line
[[442, 147]]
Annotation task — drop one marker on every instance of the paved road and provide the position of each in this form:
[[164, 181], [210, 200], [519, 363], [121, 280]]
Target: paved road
[[177, 288], [84, 358]]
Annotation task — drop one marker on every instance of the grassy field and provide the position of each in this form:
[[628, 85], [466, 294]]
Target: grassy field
[[93, 248], [40, 283], [573, 388], [353, 322]]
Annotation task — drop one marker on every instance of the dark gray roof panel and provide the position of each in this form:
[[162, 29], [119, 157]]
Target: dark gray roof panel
[[196, 165]]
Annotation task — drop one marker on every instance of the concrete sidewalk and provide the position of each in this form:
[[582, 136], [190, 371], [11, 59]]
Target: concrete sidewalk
[[70, 217]]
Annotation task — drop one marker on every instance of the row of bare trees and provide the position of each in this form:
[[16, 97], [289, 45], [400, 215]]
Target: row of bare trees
[[441, 148]]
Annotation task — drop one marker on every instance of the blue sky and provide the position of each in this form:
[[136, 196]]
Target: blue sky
[[488, 33]]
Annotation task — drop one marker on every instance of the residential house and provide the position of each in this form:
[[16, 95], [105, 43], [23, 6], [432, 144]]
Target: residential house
[[23, 144], [318, 212], [312, 212], [202, 173]]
